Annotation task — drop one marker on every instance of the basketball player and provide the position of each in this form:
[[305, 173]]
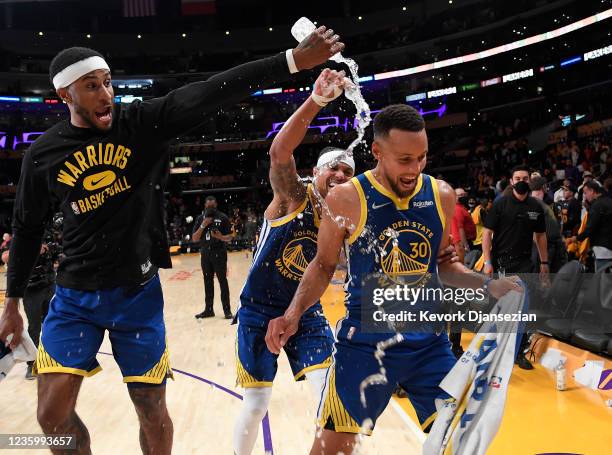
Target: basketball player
[[104, 167], [395, 193], [286, 244]]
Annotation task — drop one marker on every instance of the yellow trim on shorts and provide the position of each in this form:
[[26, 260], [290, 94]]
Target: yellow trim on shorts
[[156, 375], [243, 378], [47, 364], [436, 192], [333, 407], [325, 364], [290, 216], [400, 203], [363, 215], [428, 420]]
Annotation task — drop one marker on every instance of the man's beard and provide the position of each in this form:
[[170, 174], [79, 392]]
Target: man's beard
[[84, 114]]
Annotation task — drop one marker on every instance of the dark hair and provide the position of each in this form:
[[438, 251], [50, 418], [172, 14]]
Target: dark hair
[[594, 185], [398, 116], [519, 168], [211, 198], [69, 56], [328, 149]]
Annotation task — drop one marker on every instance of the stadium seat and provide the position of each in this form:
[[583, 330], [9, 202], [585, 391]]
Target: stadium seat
[[596, 335], [562, 295]]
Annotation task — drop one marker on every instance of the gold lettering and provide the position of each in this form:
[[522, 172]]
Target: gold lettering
[[100, 152], [72, 168], [91, 154], [82, 206], [124, 158], [88, 205], [81, 160], [108, 153], [127, 185], [118, 155], [94, 201], [63, 177]]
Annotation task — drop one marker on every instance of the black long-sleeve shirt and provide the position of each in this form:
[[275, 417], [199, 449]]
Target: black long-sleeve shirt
[[109, 185], [599, 223]]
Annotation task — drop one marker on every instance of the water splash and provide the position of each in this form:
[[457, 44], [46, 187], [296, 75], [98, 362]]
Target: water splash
[[379, 378]]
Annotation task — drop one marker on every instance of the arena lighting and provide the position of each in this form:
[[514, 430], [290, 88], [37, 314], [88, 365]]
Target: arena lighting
[[417, 96], [365, 79], [180, 170], [24, 138], [571, 61], [598, 53], [546, 68], [499, 49], [518, 75], [442, 92], [466, 87], [488, 82], [272, 91], [31, 99], [10, 99], [51, 101]]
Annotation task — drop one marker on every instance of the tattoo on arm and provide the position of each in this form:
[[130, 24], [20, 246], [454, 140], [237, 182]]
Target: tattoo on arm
[[285, 181]]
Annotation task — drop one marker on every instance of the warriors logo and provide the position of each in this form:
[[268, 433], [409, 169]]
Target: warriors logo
[[297, 254], [405, 256]]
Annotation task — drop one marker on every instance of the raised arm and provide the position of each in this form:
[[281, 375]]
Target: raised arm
[[182, 109], [287, 188], [343, 203]]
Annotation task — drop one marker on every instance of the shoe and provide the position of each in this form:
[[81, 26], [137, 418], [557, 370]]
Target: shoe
[[523, 363], [205, 314], [229, 316], [29, 376]]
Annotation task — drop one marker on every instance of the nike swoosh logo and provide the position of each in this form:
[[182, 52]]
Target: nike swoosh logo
[[99, 180], [374, 206]]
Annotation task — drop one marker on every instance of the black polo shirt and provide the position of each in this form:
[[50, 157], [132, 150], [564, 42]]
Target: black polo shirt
[[220, 223], [513, 223]]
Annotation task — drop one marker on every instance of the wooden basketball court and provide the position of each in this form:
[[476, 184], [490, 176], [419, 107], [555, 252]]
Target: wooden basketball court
[[203, 400]]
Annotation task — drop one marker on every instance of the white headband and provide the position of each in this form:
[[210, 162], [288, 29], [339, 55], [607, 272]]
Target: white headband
[[78, 69], [336, 155]]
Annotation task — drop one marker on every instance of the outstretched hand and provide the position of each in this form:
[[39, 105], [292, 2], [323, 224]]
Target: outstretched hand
[[317, 48]]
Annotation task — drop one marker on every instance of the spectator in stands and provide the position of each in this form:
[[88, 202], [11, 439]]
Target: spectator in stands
[[571, 171], [599, 224], [479, 214], [463, 229], [608, 186], [560, 193], [508, 235], [557, 255], [586, 177], [569, 210], [6, 238]]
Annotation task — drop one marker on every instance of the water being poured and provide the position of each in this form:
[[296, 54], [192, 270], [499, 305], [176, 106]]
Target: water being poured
[[381, 376], [300, 30]]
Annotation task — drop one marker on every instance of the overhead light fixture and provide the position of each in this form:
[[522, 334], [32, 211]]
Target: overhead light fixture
[[184, 35], [40, 33], [139, 36], [227, 32], [88, 35], [270, 29]]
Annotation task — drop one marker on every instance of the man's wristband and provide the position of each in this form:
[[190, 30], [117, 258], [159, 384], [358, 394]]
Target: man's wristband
[[487, 262], [543, 262], [291, 61]]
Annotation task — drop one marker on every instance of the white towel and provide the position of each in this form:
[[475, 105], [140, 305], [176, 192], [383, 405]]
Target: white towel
[[24, 352], [478, 383]]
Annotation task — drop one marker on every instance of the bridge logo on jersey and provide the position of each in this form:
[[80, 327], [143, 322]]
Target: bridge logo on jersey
[[406, 254], [297, 254]]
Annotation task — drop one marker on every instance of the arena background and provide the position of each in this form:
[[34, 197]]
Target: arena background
[[499, 84]]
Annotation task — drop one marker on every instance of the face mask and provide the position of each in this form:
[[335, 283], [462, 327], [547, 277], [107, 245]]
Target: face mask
[[521, 187], [463, 200]]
